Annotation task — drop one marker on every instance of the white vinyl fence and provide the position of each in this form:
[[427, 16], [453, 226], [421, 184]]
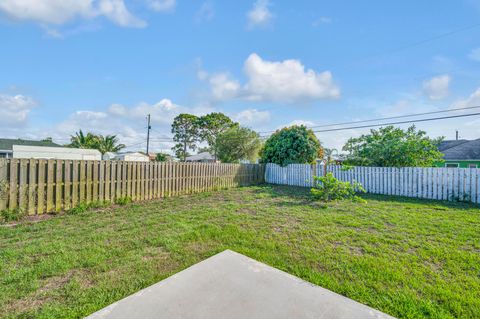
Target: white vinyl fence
[[454, 184]]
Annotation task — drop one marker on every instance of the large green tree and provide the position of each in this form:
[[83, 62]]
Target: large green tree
[[238, 143], [210, 128], [393, 147], [185, 134], [295, 144]]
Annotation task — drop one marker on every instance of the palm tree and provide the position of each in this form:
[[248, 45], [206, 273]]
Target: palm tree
[[80, 140], [329, 156], [109, 143]]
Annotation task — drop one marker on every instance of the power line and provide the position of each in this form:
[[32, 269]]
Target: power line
[[389, 118], [384, 124], [401, 122], [131, 145]]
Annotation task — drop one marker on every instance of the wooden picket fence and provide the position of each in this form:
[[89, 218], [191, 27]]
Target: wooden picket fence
[[44, 186], [453, 184]]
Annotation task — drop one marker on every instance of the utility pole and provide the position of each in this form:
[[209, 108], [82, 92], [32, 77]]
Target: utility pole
[[456, 135], [148, 131]]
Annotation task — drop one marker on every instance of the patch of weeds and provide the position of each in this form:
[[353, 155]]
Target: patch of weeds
[[83, 207], [11, 215], [123, 201]]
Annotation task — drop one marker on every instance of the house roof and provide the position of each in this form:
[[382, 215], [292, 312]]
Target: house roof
[[130, 153], [462, 150], [200, 156], [7, 143], [445, 145]]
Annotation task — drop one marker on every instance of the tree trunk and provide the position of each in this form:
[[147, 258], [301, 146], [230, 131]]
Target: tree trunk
[[184, 152]]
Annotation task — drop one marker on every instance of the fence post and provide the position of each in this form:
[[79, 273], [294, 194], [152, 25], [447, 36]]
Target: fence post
[[3, 183]]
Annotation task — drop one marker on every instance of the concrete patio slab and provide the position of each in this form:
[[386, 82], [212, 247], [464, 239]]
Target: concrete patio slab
[[230, 286]]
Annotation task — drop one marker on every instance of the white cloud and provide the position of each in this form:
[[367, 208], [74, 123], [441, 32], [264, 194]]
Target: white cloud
[[260, 14], [252, 117], [14, 109], [116, 11], [286, 81], [127, 122], [475, 54], [162, 5], [437, 87], [58, 12], [223, 86], [205, 13], [301, 122], [322, 20], [472, 100]]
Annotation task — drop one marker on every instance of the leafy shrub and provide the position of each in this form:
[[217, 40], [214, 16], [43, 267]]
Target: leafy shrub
[[393, 146], [328, 188], [295, 144]]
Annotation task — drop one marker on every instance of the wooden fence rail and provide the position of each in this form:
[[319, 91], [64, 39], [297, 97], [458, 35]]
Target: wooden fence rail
[[454, 184], [44, 186]]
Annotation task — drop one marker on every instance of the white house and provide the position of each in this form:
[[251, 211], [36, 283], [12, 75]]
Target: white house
[[131, 157], [204, 157], [62, 153]]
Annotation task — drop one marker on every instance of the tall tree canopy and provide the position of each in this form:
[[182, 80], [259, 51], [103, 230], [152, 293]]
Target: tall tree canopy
[[393, 147], [238, 143], [185, 134], [295, 144], [104, 144], [211, 126]]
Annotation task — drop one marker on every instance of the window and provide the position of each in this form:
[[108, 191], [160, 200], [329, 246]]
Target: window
[[472, 165], [451, 164]]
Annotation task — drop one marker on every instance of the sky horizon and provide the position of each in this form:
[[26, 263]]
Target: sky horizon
[[103, 65]]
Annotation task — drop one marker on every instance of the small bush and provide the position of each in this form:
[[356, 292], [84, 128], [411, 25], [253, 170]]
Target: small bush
[[10, 215], [328, 188], [123, 201]]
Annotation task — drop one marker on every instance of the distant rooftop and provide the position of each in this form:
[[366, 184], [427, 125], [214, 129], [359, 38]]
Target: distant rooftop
[[6, 144], [460, 149], [201, 156], [445, 145]]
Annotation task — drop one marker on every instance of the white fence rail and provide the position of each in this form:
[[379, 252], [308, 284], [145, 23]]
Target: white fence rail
[[454, 184]]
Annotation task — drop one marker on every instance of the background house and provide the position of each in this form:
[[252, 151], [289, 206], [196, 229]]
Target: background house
[[17, 148], [6, 145], [131, 157], [61, 153], [460, 153], [204, 157]]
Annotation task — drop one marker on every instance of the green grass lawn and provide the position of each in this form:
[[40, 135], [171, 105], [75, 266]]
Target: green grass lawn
[[408, 258]]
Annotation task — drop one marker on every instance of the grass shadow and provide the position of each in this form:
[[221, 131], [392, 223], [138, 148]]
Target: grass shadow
[[301, 196]]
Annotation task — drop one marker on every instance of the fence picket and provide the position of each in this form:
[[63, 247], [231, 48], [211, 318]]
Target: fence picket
[[67, 187], [59, 186], [41, 187], [32, 186]]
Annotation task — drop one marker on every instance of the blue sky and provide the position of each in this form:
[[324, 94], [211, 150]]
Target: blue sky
[[102, 65]]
